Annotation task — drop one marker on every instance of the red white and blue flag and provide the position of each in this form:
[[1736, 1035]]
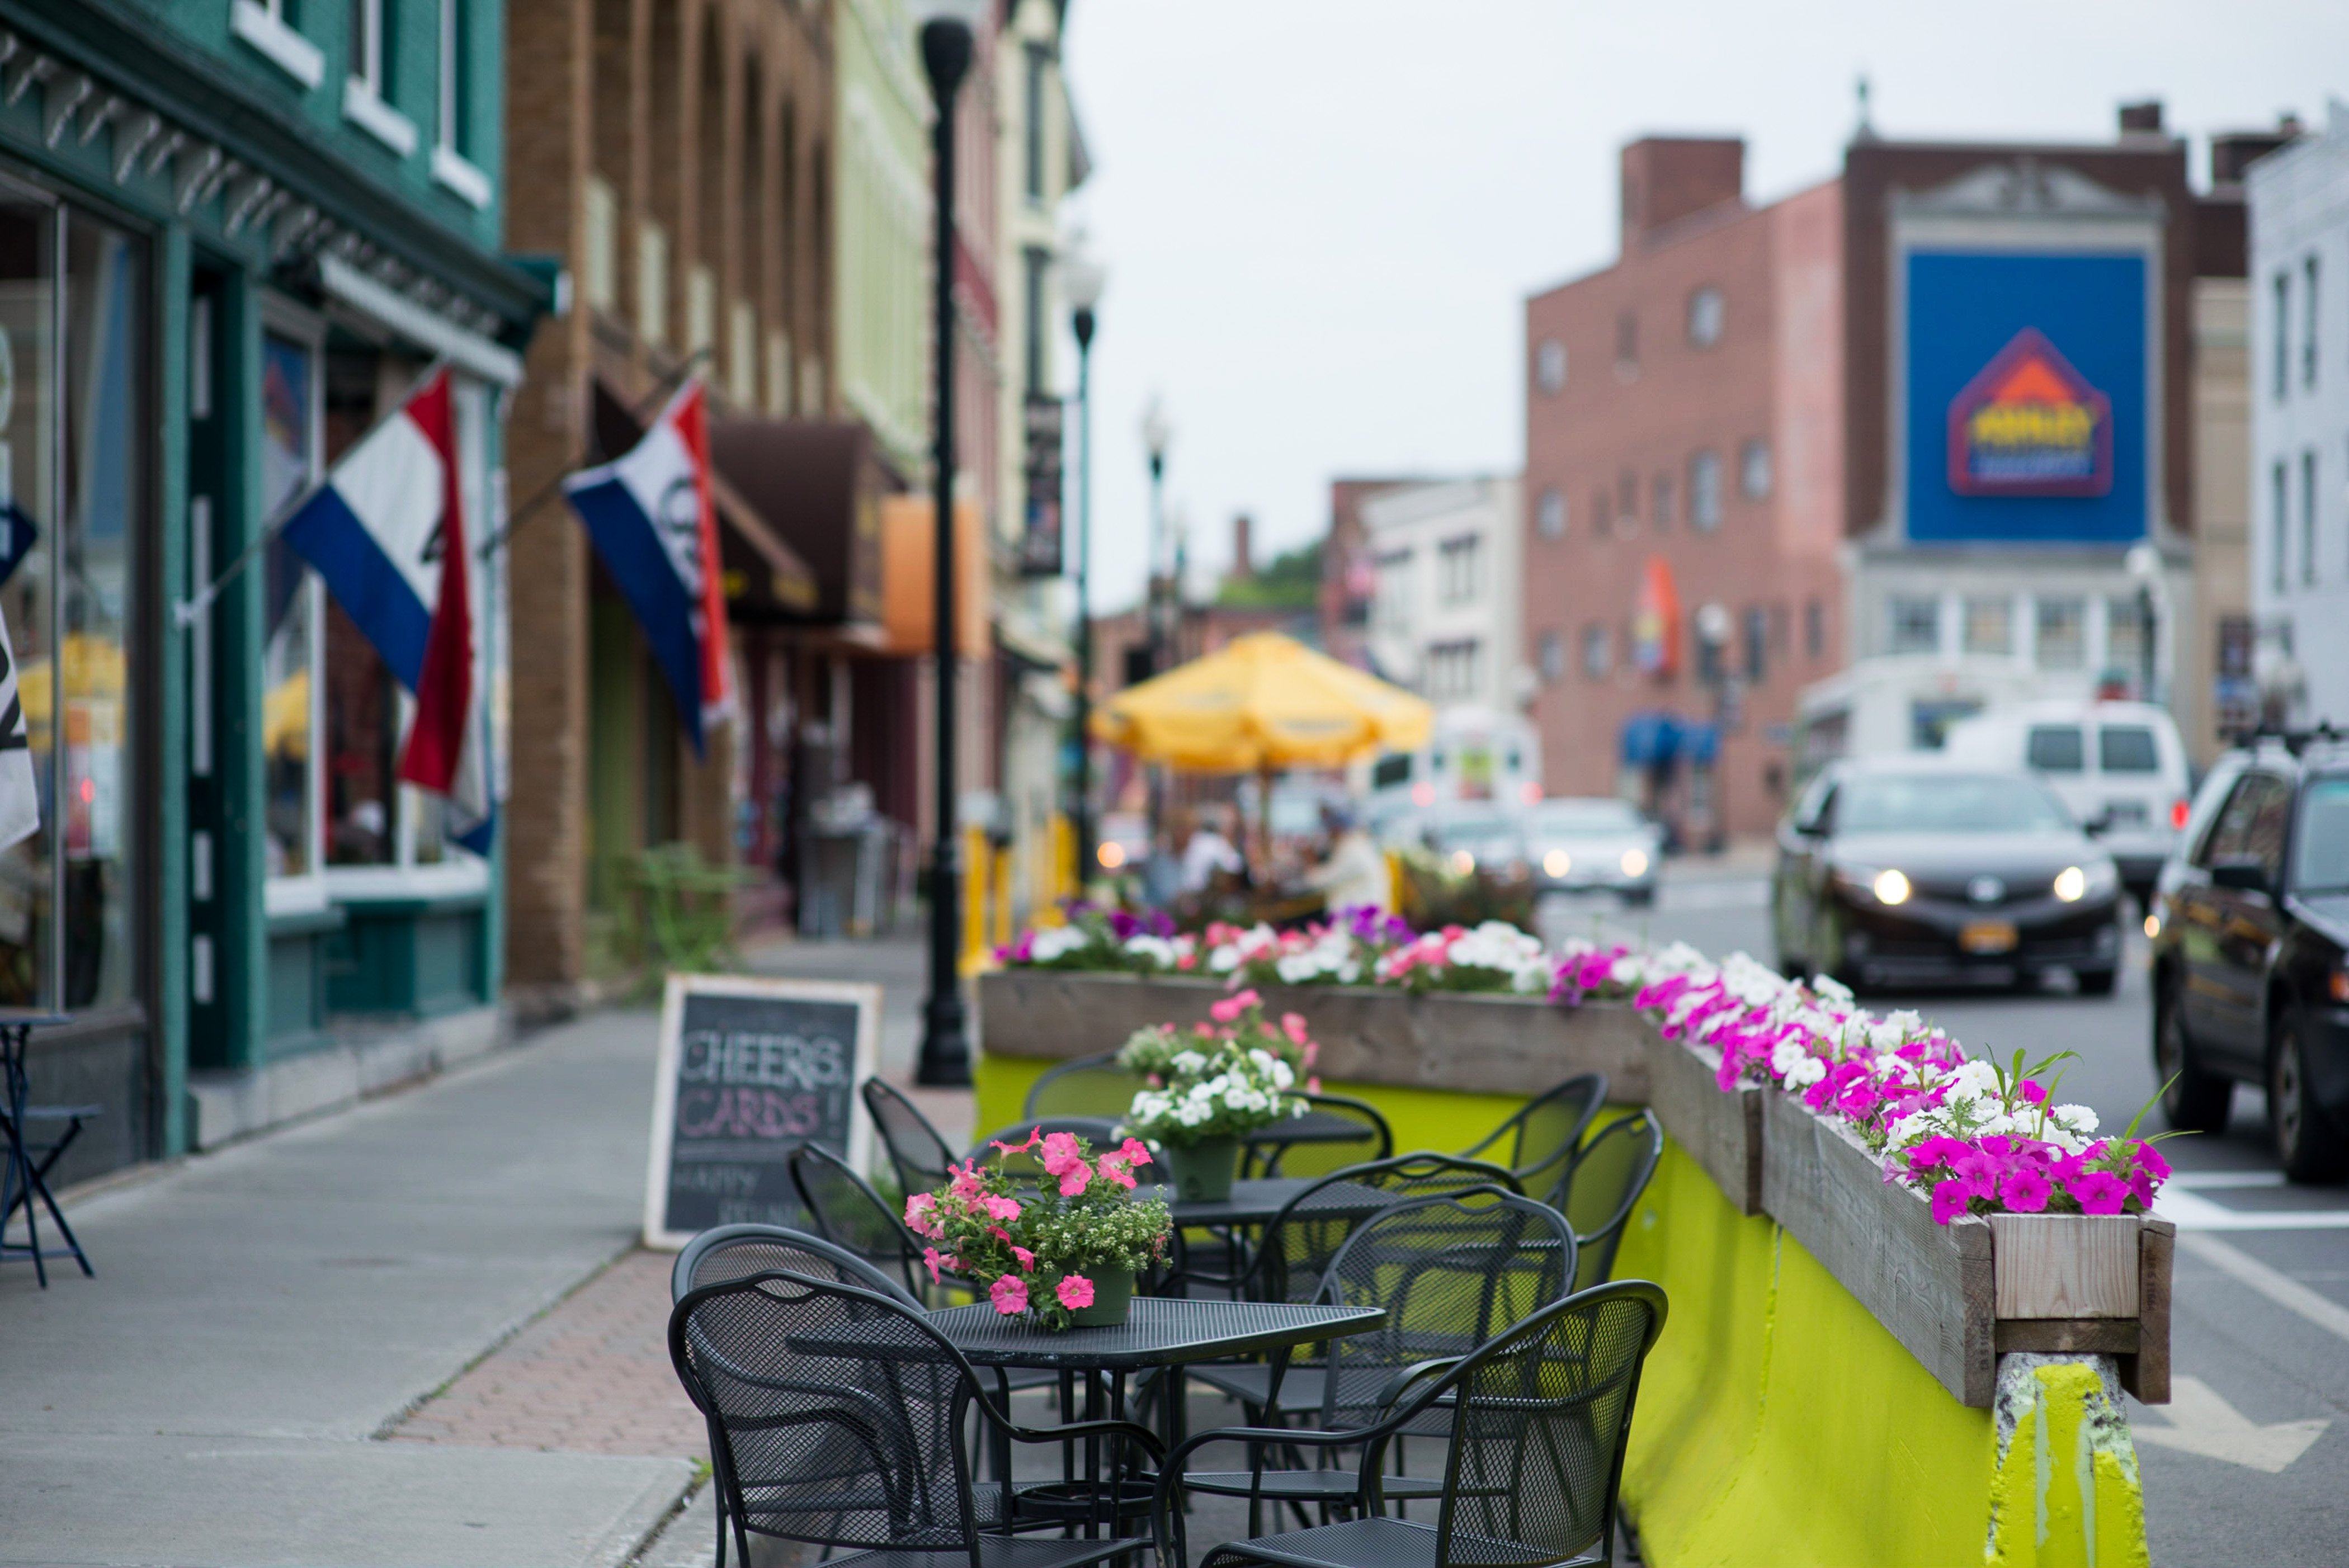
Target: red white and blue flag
[[387, 531], [650, 516]]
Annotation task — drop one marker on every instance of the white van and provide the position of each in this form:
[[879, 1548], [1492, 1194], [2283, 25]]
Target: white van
[[2120, 767]]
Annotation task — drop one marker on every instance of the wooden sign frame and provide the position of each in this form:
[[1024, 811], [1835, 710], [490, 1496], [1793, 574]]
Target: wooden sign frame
[[864, 1059]]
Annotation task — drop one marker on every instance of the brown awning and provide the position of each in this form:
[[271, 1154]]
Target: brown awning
[[760, 568], [818, 484]]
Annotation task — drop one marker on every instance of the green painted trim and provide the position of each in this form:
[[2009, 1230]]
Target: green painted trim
[[240, 858], [169, 928], [379, 906]]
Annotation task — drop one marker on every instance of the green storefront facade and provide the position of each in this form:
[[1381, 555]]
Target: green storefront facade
[[233, 234]]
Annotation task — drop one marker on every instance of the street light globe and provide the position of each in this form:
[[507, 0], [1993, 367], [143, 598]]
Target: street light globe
[[2143, 562], [1082, 279]]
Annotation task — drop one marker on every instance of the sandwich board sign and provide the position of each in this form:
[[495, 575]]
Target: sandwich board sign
[[749, 1069]]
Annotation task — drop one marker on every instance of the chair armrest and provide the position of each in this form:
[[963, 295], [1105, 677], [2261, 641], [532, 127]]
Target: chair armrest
[[1152, 1444], [1403, 1380]]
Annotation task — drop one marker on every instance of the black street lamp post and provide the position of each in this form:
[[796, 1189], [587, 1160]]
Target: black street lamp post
[[1082, 279], [1155, 436], [946, 47]]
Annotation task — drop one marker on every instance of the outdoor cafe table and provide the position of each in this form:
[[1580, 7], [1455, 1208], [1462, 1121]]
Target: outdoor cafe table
[[1256, 1200], [1159, 1331]]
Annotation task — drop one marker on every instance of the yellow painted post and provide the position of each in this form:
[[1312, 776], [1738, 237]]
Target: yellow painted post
[[975, 858], [1002, 898]]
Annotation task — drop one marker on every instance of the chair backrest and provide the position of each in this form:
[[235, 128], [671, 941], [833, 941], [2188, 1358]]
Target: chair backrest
[[737, 1251], [1450, 1274], [852, 1215], [1540, 1419], [916, 1152], [1100, 1132], [1538, 1141], [833, 1414], [1598, 1189], [1306, 1233], [1321, 1155], [1089, 1085]]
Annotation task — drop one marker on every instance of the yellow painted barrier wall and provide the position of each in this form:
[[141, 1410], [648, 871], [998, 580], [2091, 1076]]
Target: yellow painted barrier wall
[[1779, 1422]]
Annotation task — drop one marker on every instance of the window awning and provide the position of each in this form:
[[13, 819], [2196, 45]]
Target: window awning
[[819, 485]]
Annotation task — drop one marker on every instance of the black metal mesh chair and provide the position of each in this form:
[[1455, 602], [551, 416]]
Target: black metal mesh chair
[[836, 1419], [1599, 1187], [738, 1251], [850, 1214], [1538, 1141], [1338, 1132], [1451, 1275], [1538, 1420], [1089, 1085], [916, 1152]]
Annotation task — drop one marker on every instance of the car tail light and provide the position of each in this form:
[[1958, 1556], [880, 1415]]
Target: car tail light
[[2178, 811], [2341, 985]]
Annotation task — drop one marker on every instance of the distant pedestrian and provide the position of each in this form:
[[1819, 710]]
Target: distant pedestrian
[[1209, 852], [1354, 873]]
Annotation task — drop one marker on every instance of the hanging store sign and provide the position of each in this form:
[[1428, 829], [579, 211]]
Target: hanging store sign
[[2031, 425], [1039, 533]]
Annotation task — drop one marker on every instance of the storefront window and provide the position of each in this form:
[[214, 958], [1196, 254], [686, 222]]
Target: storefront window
[[107, 427], [28, 412], [289, 463]]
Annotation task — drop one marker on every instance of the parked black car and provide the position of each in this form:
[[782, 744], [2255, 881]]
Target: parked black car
[[2251, 950], [1910, 871]]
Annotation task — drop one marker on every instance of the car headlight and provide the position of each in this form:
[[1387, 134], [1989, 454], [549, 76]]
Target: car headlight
[[1635, 862], [1886, 886], [1558, 862], [2074, 883]]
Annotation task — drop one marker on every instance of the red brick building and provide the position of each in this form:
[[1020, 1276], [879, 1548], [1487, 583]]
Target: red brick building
[[1683, 445]]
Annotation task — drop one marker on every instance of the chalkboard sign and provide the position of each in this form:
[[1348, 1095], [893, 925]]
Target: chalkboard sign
[[750, 1069]]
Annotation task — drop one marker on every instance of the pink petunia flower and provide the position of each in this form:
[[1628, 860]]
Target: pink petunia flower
[[1002, 1207], [1060, 1152], [1075, 1291], [919, 1211], [1113, 1168], [1937, 1150], [1231, 1007], [2149, 1160], [932, 1256], [1293, 1026], [1075, 1179], [1135, 1153], [1035, 1137], [2098, 1191], [1949, 1201], [1027, 1259], [1010, 1295], [2031, 1091], [967, 1183], [1979, 1173], [2025, 1189]]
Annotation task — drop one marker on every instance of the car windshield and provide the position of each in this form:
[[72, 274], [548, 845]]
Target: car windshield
[[1946, 803], [2321, 861], [1472, 830], [1572, 819]]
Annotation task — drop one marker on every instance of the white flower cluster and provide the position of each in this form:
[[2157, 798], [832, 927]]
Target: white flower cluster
[[1498, 945], [1056, 941], [1162, 951], [1247, 1089], [1332, 956]]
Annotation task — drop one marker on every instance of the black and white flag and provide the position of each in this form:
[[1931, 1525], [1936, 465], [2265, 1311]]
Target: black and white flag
[[20, 801]]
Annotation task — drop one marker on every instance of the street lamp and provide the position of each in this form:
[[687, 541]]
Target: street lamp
[[1082, 279], [948, 39], [1155, 436]]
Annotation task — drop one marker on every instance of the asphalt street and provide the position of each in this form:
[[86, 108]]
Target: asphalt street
[[2250, 1462]]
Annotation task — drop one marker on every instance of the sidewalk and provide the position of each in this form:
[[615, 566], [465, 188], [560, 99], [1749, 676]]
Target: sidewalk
[[263, 1314]]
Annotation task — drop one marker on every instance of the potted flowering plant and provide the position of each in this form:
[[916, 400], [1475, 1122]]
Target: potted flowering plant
[[1098, 939], [1215, 1086], [1064, 1252]]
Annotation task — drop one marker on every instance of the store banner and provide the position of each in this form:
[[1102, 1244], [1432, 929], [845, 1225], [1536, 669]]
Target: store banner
[[650, 516], [387, 532], [20, 796]]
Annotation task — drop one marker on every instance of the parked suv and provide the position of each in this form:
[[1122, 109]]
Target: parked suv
[[2251, 949]]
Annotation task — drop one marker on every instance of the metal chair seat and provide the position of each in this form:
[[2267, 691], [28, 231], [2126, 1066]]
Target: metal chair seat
[[998, 1551], [1380, 1543], [1332, 1487]]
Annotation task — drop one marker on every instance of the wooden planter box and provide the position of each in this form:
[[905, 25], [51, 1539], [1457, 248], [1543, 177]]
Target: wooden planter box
[[1959, 1296], [1472, 1044], [1722, 1132]]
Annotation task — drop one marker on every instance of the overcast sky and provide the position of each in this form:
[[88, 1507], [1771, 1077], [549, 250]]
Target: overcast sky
[[1322, 217]]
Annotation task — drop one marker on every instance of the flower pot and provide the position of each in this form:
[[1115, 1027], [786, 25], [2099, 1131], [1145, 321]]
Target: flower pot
[[1202, 1174], [1112, 1294]]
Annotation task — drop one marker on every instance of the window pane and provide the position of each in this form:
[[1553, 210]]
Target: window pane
[[106, 513], [289, 402], [1990, 625], [2123, 636], [2128, 748], [1916, 624], [2054, 748], [362, 699], [28, 439], [2062, 633], [1704, 490]]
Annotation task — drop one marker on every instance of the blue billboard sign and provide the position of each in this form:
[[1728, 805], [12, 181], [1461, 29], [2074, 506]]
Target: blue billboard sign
[[2027, 411]]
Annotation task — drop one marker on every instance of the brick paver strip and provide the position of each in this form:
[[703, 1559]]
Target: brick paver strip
[[591, 1376]]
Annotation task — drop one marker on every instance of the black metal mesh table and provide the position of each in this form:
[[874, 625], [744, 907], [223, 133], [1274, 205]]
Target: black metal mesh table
[[1256, 1200], [1158, 1331]]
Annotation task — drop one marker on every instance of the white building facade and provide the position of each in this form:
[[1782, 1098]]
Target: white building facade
[[2299, 223], [1448, 619]]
